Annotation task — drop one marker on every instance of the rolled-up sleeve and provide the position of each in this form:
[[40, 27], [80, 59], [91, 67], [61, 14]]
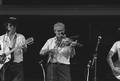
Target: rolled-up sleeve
[[21, 41]]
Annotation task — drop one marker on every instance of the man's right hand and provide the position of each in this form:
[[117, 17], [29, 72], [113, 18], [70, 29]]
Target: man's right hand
[[116, 69], [3, 55], [2, 58], [51, 51]]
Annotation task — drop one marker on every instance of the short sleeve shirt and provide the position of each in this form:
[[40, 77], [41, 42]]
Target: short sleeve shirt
[[116, 48]]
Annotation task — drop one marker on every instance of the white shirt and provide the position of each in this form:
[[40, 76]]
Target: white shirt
[[116, 48], [63, 53], [6, 43]]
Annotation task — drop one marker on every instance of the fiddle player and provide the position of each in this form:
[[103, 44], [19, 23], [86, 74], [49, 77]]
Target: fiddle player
[[60, 49]]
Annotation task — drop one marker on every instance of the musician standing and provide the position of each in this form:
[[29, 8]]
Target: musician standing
[[8, 41], [115, 49], [59, 55]]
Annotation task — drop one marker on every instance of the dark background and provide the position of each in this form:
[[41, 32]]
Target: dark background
[[87, 27], [61, 2]]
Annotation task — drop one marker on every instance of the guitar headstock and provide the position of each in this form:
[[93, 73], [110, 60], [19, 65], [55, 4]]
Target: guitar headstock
[[29, 40]]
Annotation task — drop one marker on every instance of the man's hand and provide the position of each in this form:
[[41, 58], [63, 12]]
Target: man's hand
[[3, 55], [116, 69], [51, 51], [24, 48], [2, 58]]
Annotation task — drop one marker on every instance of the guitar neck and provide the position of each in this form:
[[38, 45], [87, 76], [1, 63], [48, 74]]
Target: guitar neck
[[9, 52], [28, 41]]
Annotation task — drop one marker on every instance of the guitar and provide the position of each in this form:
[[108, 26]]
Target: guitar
[[116, 74], [7, 57]]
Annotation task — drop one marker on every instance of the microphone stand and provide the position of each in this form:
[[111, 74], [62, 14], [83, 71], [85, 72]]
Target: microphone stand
[[42, 69], [95, 59], [88, 67]]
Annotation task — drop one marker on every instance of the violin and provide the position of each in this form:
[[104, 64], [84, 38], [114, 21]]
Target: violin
[[67, 42]]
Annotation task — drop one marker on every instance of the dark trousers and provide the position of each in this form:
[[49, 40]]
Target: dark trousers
[[58, 72], [15, 72]]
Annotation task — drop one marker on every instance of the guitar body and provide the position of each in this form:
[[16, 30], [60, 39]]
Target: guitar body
[[117, 74], [8, 57]]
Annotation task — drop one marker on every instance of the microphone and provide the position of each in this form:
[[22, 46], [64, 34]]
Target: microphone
[[40, 61], [89, 63], [7, 31], [99, 37], [63, 35]]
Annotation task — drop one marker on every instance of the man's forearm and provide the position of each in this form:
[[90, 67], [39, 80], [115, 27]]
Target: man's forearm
[[43, 52], [110, 62]]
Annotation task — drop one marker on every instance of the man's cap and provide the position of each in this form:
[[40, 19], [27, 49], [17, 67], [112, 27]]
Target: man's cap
[[11, 21]]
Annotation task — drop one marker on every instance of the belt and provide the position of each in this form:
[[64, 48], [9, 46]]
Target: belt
[[18, 63], [58, 63]]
